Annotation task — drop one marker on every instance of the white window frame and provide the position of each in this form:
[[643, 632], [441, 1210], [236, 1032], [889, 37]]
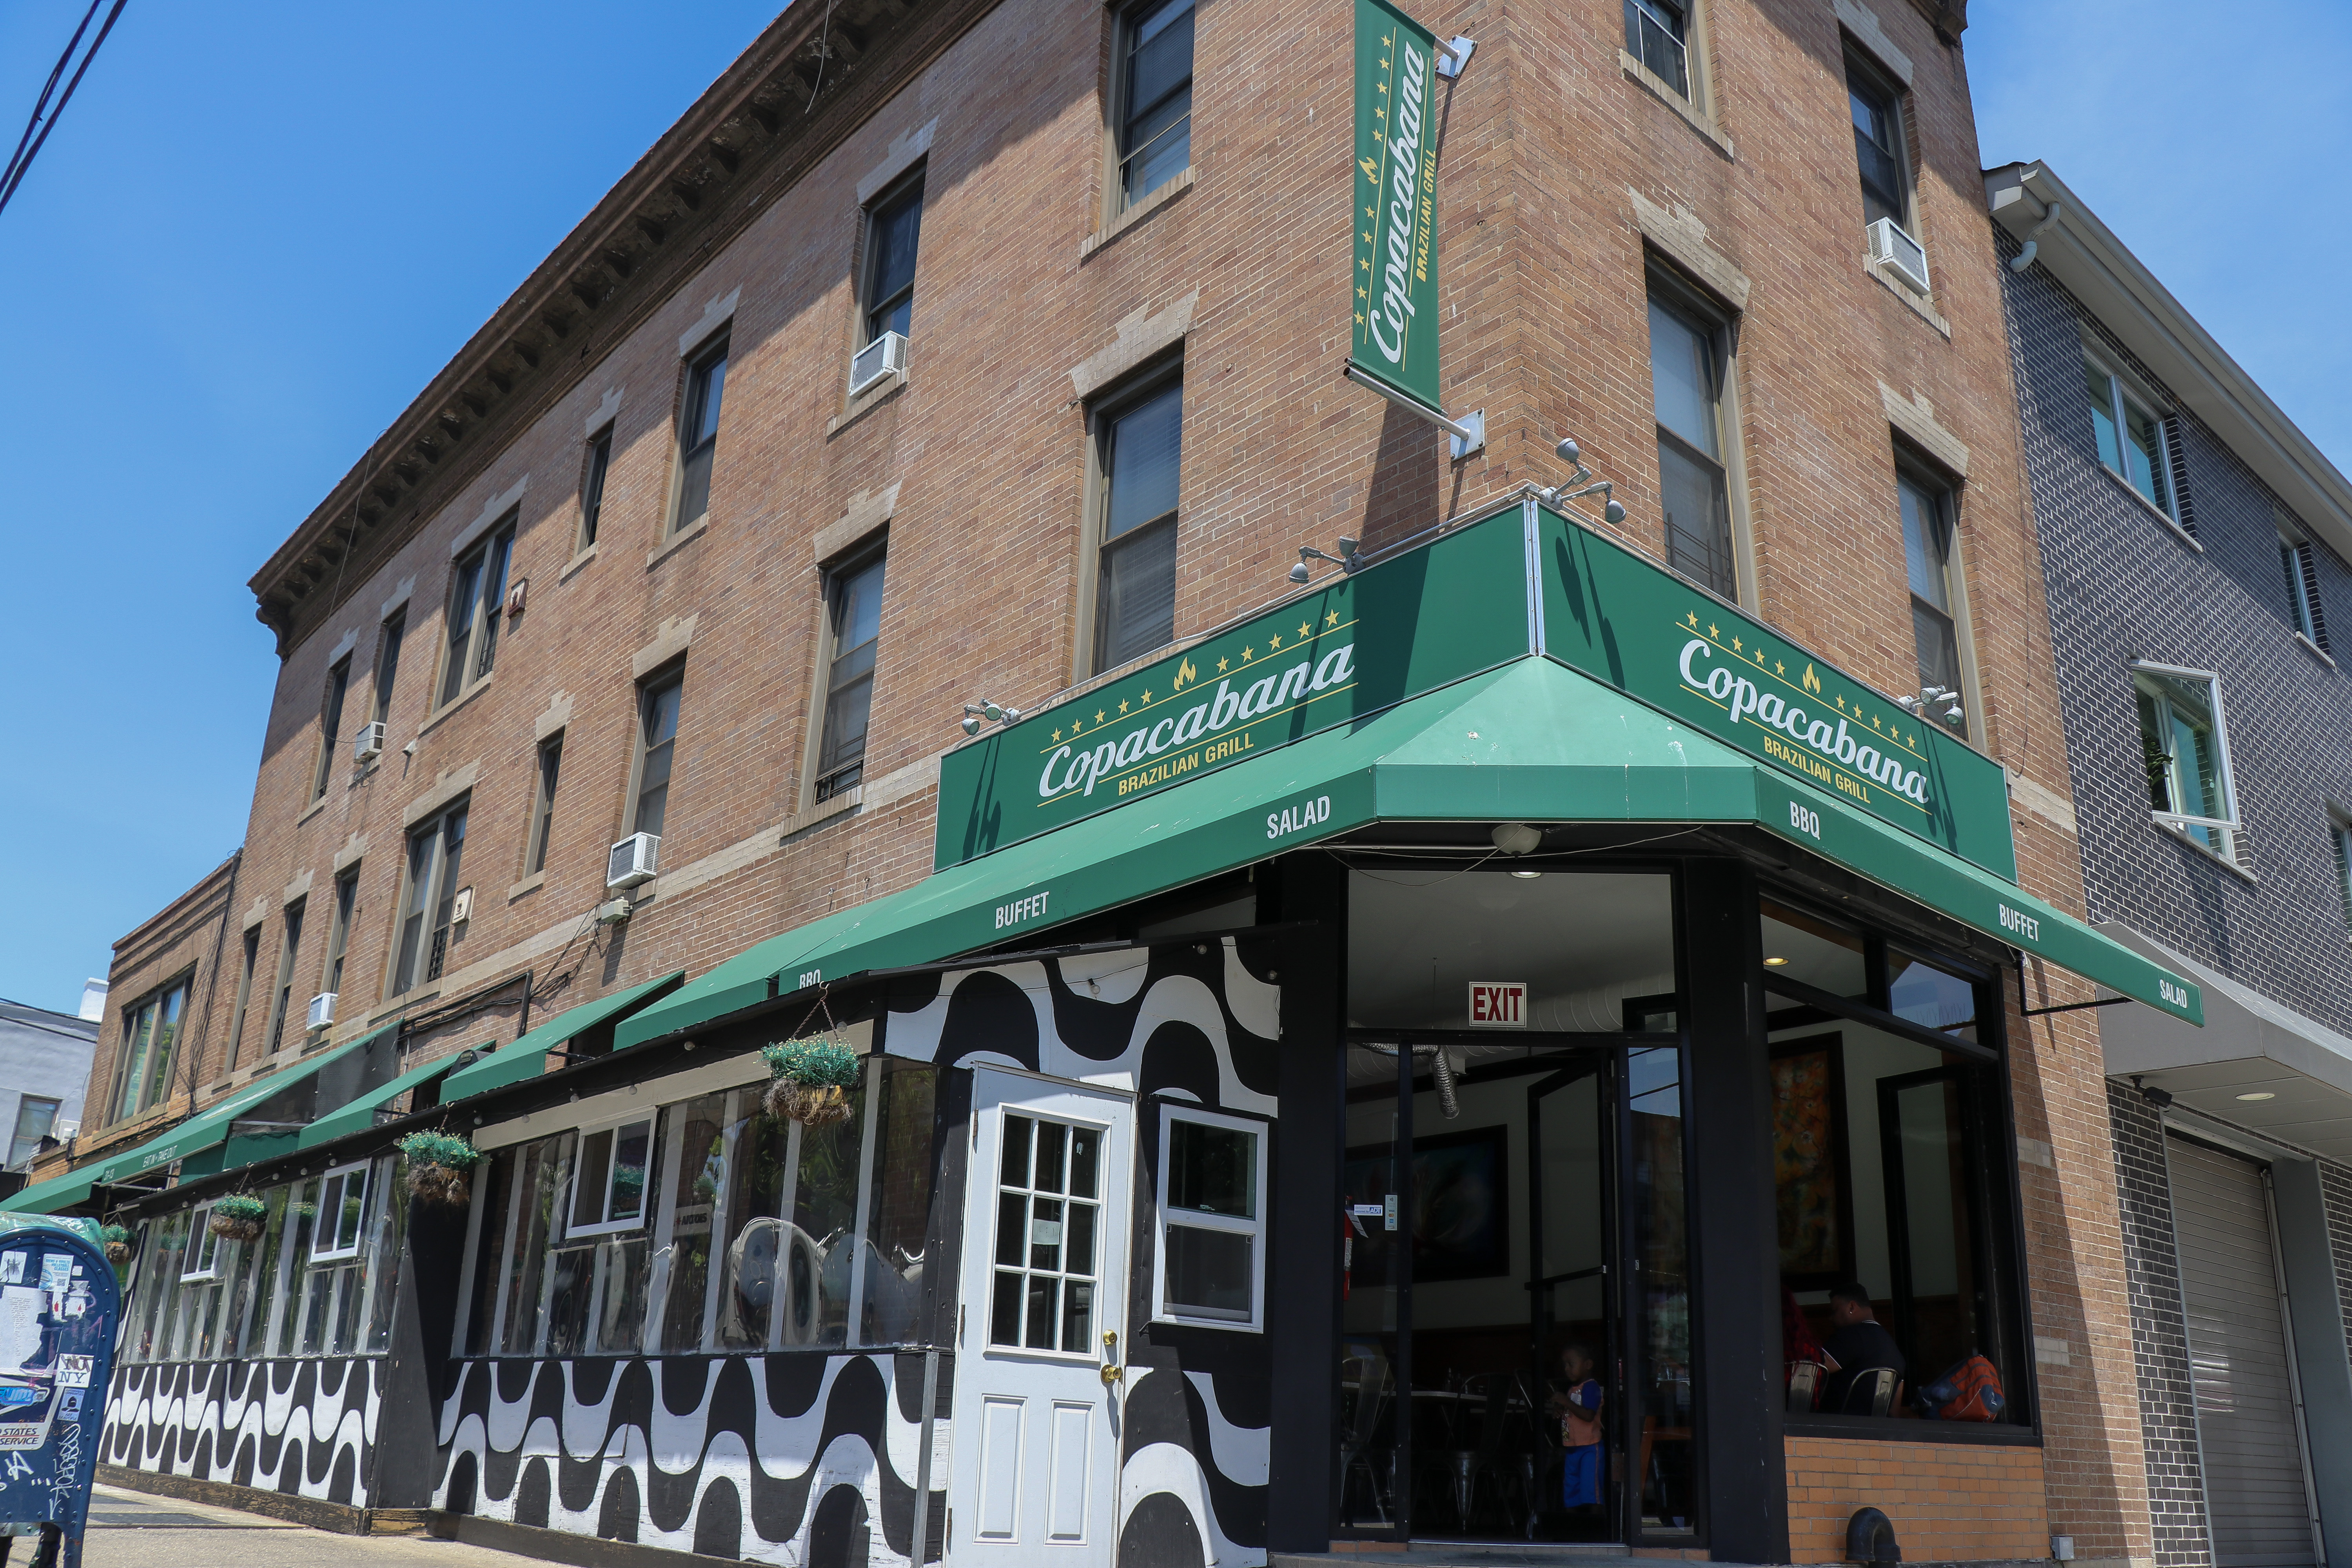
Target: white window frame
[[1172, 1112], [2303, 614], [2340, 834], [651, 1119], [2122, 392], [322, 1230], [2230, 825], [207, 1255]]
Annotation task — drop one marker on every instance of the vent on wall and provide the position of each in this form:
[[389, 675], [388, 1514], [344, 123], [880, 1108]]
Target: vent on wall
[[2177, 462]]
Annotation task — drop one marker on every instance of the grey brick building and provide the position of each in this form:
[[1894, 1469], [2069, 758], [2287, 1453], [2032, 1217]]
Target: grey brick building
[[2194, 543]]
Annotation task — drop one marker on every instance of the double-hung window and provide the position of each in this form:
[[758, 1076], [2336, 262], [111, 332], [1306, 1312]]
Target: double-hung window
[[1211, 1257], [698, 434], [1694, 481], [477, 591], [853, 625], [331, 724], [2184, 748], [150, 1034], [245, 977], [892, 227], [542, 806], [2300, 568], [592, 484], [2131, 437], [342, 1214], [1876, 108], [2339, 838], [1139, 447], [282, 1000], [435, 858], [657, 708], [1657, 34], [1935, 612], [37, 1118], [1155, 98], [339, 930], [387, 662]]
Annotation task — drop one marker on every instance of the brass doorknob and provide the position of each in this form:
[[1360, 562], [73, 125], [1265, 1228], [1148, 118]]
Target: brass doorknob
[[1111, 1374]]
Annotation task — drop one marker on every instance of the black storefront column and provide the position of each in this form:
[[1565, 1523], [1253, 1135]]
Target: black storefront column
[[1734, 1224], [1302, 1299], [420, 1367]]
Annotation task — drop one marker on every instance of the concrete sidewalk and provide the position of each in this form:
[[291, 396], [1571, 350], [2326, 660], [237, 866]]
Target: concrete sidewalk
[[138, 1530]]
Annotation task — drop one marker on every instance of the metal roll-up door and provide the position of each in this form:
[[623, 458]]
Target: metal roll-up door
[[2247, 1423]]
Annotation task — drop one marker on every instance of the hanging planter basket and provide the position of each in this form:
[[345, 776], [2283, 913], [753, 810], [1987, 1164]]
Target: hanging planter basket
[[812, 1080], [440, 1165], [239, 1217], [116, 1239]]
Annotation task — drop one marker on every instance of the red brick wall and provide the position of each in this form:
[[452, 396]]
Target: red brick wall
[[1949, 1502]]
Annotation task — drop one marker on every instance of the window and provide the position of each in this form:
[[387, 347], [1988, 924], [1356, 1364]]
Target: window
[[1048, 1203], [251, 961], [1211, 1264], [2339, 838], [151, 1031], [853, 621], [477, 591], [331, 724], [592, 485], [342, 1213], [542, 810], [36, 1119], [1694, 485], [2184, 751], [1877, 110], [892, 226], [1657, 34], [387, 663], [281, 1000], [339, 930], [2300, 568], [1139, 448], [436, 857], [1155, 97], [2131, 437], [608, 1191], [203, 1256], [1935, 615], [657, 745], [697, 435]]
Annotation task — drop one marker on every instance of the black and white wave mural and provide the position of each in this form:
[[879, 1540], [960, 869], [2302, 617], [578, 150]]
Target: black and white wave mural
[[805, 1458], [302, 1426], [1183, 1020]]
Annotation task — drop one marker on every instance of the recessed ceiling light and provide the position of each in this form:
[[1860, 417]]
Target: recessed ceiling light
[[2259, 1094], [1776, 962], [1526, 876]]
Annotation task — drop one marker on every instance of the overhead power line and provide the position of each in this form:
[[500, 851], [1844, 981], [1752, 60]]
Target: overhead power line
[[45, 113]]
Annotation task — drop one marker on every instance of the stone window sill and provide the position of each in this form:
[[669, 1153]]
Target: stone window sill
[[456, 702], [1664, 91], [823, 811], [311, 810], [576, 562], [2318, 652], [871, 399], [677, 541], [1176, 187], [1923, 307], [403, 1002], [2153, 509], [2183, 835], [530, 884]]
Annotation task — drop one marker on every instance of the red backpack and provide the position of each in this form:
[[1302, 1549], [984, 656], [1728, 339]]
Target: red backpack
[[1969, 1391]]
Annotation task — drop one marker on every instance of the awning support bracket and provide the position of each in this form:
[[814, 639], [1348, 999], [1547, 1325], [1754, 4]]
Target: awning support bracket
[[2026, 1009]]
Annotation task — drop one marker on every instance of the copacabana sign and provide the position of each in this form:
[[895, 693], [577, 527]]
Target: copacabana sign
[[1395, 214]]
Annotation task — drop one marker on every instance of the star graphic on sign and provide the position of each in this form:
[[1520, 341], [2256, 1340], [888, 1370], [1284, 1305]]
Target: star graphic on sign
[[1735, 645], [1367, 265], [1368, 240], [1099, 715], [1221, 665], [1248, 654], [1359, 291], [1841, 704], [1304, 627], [1384, 86], [1076, 725], [1122, 707], [1057, 735], [1276, 640], [1779, 668], [1147, 696], [1710, 628], [1360, 318], [1369, 213], [1332, 619]]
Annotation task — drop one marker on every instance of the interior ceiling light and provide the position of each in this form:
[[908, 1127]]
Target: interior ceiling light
[[1526, 876], [1776, 962], [2259, 1094]]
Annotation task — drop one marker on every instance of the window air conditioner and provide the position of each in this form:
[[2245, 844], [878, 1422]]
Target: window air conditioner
[[1900, 253], [885, 356], [633, 860], [368, 744], [322, 1009]]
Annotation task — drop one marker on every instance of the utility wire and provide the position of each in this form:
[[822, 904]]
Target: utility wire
[[28, 145]]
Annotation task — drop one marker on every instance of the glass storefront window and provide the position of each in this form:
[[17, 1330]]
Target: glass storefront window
[[905, 1130], [1813, 952], [1661, 1288], [1930, 996]]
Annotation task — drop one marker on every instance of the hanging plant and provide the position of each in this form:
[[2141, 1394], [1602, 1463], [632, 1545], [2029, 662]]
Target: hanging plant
[[239, 1217], [812, 1080], [438, 1166], [116, 1239]]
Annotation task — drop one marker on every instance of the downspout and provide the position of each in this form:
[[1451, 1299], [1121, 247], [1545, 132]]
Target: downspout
[[2024, 258]]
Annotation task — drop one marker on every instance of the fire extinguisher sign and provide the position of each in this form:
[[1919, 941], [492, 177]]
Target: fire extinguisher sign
[[1498, 1003]]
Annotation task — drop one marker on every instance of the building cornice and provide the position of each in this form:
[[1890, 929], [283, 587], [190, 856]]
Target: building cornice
[[814, 76], [2083, 254]]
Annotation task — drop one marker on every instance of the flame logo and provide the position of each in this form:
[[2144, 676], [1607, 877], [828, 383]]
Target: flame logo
[[1812, 681], [1185, 676]]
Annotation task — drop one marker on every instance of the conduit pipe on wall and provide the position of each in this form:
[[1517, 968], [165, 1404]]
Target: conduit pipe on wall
[[2024, 258]]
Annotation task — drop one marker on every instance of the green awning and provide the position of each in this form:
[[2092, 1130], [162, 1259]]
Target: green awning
[[360, 1114], [193, 1138], [526, 1058], [1532, 740]]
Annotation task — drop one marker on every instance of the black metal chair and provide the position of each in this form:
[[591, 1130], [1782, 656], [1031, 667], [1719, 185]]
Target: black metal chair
[[1872, 1392]]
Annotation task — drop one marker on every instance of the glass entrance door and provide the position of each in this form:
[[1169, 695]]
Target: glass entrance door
[[1570, 1238]]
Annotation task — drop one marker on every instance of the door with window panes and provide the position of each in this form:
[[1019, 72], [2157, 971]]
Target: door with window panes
[[1040, 1379]]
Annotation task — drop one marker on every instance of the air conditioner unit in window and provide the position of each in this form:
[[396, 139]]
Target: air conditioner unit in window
[[368, 744], [633, 860], [885, 356], [322, 1009], [1900, 253]]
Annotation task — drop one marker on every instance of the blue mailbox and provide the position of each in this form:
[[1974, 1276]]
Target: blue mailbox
[[59, 1308]]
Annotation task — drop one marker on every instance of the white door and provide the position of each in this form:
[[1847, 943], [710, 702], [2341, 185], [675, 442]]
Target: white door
[[1044, 1285]]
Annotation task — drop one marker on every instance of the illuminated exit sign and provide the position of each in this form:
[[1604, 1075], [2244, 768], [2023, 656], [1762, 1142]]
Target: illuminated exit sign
[[1498, 1003]]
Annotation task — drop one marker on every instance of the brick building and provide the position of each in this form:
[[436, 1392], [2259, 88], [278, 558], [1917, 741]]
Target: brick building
[[956, 358], [2194, 544]]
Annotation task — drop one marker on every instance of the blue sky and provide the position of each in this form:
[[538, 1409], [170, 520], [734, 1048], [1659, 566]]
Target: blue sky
[[261, 228]]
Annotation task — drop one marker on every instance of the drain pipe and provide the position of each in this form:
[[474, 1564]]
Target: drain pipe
[[1870, 1538], [2024, 258]]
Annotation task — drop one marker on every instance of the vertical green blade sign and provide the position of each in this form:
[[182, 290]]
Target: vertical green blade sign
[[1395, 211]]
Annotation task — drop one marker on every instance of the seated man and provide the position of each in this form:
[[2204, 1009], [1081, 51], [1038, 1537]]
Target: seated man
[[1858, 1345]]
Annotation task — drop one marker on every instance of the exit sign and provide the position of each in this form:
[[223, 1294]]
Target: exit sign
[[1498, 1003]]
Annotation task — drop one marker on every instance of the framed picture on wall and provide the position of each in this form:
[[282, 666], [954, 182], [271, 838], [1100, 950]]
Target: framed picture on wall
[[1812, 1187], [1458, 1209]]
